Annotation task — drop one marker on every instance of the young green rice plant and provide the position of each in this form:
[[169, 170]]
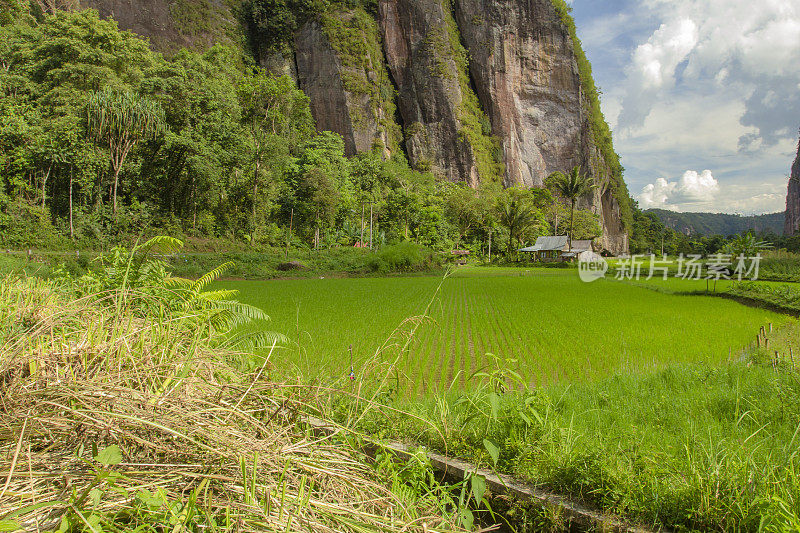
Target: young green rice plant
[[556, 327]]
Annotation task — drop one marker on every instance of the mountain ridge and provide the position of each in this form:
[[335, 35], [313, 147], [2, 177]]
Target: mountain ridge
[[704, 223]]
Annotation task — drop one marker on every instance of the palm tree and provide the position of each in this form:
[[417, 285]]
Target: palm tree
[[514, 214], [122, 119], [745, 245], [572, 185]]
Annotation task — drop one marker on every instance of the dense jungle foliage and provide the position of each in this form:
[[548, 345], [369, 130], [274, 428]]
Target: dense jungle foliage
[[650, 235]]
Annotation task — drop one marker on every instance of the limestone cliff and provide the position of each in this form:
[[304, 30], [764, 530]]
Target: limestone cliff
[[174, 24], [340, 66], [792, 224], [440, 113], [524, 67], [472, 90]]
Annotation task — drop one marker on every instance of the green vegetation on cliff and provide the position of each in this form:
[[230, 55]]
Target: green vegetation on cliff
[[237, 159], [194, 18], [475, 126], [271, 24], [355, 36], [451, 63]]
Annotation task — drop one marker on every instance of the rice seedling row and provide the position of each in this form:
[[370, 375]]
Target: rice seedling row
[[557, 328]]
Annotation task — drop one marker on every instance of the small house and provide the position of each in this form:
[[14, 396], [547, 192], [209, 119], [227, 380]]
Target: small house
[[547, 249], [577, 248], [460, 256], [557, 248]]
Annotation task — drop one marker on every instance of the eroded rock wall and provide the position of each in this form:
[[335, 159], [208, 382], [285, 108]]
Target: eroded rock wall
[[340, 66], [524, 68], [428, 66], [472, 90], [792, 224], [174, 24]]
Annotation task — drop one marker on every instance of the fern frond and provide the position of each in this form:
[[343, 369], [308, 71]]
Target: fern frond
[[248, 311], [163, 243], [227, 315], [218, 295], [180, 283], [211, 276], [253, 340]]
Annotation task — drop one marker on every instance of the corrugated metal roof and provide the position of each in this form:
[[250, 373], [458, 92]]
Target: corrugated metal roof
[[544, 244], [551, 243], [581, 245]]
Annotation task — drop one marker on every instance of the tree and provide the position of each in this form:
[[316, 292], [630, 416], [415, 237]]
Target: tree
[[319, 181], [514, 213], [277, 116], [572, 186], [121, 120], [463, 208], [272, 24], [364, 171], [746, 245]]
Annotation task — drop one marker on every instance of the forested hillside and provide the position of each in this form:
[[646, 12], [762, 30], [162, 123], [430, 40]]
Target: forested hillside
[[102, 138], [719, 223]]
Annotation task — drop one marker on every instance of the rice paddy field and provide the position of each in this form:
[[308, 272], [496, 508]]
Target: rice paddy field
[[544, 323]]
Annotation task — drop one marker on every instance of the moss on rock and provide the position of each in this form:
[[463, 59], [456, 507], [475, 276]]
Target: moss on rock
[[355, 37]]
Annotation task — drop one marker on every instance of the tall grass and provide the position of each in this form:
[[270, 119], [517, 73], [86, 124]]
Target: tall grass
[[123, 412], [688, 448], [780, 265]]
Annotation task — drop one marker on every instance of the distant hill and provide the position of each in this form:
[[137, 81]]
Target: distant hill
[[719, 223]]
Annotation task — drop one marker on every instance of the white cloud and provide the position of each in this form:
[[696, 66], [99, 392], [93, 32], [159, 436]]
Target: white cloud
[[656, 60], [748, 50], [702, 192], [754, 205], [730, 103], [691, 189]]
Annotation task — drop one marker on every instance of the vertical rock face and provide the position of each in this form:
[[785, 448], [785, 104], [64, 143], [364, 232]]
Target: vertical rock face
[[792, 224], [340, 67], [318, 75], [483, 89], [524, 69], [171, 25], [423, 54]]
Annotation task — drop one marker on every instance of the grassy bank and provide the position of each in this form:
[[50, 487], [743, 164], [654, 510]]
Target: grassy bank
[[126, 408], [136, 400], [404, 258]]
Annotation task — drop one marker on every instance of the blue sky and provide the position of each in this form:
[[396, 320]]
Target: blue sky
[[703, 97]]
